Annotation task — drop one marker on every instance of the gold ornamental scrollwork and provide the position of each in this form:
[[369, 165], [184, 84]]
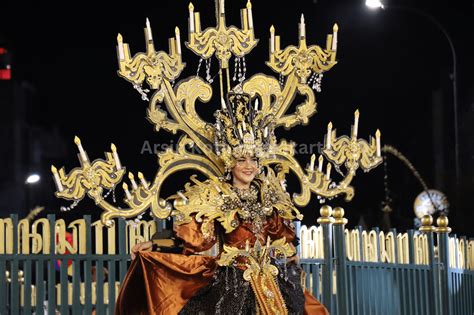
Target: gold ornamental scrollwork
[[172, 107]]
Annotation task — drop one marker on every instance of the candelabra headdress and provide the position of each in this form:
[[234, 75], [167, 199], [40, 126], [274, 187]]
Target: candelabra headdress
[[250, 111]]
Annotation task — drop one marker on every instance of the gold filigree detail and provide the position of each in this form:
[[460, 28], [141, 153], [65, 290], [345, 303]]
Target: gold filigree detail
[[260, 272], [172, 108], [223, 41]]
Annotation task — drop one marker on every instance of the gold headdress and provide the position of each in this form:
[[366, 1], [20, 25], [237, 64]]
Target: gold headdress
[[243, 129], [242, 124]]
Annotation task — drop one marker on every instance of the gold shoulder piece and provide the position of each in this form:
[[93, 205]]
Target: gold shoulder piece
[[275, 183], [203, 200]]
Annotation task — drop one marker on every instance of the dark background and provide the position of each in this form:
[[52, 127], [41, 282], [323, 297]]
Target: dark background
[[394, 65]]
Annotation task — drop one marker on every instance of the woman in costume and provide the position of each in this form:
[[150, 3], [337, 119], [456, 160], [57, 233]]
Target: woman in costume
[[248, 214]]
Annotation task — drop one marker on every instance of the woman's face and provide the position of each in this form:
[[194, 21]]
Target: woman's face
[[244, 171]]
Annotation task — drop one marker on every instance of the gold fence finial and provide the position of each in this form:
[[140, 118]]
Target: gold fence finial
[[442, 223], [326, 212], [426, 223], [338, 214]]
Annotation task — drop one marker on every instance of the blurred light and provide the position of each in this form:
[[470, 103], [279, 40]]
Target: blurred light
[[374, 4], [33, 178], [5, 68]]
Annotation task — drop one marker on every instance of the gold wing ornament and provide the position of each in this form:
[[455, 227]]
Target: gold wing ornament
[[207, 201]]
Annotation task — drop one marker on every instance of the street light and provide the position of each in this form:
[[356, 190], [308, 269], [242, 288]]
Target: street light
[[33, 179], [374, 4], [377, 4]]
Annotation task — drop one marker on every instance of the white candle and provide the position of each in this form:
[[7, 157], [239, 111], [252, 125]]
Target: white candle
[[120, 47], [265, 132], [142, 180], [256, 104], [81, 150], [328, 136], [244, 125], [311, 165], [197, 22], [223, 105], [320, 165], [148, 30], [132, 180], [240, 132], [272, 39], [328, 171], [302, 27], [379, 147], [356, 124], [191, 17], [127, 193], [178, 40], [249, 14], [221, 6], [244, 18], [247, 246], [334, 36], [182, 196], [118, 166], [57, 180]]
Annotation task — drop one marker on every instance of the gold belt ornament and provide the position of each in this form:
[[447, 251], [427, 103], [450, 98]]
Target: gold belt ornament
[[260, 272]]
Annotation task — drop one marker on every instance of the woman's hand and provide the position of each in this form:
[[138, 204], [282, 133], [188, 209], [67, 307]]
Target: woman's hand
[[141, 247]]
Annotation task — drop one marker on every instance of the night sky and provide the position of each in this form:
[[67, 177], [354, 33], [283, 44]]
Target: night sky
[[392, 65]]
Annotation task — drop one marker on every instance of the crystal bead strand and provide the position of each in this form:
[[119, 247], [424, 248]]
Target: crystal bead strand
[[199, 67], [317, 82], [243, 72], [281, 80], [236, 60], [107, 194], [208, 70], [72, 206]]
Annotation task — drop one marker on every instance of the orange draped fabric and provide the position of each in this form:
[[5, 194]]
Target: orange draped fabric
[[162, 283]]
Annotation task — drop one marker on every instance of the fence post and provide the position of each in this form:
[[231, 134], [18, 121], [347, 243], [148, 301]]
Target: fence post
[[14, 265], [445, 289], [51, 272], [327, 268], [340, 261], [427, 228]]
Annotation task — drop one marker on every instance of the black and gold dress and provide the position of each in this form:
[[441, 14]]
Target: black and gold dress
[[249, 276]]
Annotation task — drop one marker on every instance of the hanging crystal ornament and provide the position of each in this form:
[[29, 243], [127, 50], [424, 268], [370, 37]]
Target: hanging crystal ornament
[[72, 206], [281, 80], [311, 78], [143, 92], [108, 193], [317, 82], [236, 61], [199, 67], [208, 70], [243, 69]]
